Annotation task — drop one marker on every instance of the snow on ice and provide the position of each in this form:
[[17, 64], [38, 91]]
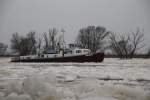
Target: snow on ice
[[113, 79]]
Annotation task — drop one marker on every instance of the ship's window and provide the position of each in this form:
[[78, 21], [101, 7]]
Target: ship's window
[[69, 52], [28, 57], [78, 51], [42, 56], [86, 51]]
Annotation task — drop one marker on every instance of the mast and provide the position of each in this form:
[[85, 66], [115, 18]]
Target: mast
[[64, 44]]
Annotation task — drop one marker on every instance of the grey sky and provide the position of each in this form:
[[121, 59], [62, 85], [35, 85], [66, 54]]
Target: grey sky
[[23, 16]]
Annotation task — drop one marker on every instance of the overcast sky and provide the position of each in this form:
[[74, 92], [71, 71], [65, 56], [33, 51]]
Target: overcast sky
[[121, 16]]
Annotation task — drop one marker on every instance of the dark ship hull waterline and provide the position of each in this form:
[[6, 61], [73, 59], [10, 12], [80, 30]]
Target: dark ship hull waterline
[[97, 57]]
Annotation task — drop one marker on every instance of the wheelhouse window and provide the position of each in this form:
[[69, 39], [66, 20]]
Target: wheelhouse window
[[42, 56], [86, 51], [78, 51]]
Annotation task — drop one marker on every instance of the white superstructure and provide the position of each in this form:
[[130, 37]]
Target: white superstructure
[[61, 53]]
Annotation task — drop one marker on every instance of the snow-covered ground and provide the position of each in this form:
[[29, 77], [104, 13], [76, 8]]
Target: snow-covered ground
[[113, 79]]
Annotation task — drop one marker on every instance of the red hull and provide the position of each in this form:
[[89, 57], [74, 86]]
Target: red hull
[[98, 57]]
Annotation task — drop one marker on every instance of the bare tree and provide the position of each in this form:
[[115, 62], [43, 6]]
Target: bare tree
[[32, 42], [126, 46], [92, 37], [3, 49], [24, 45], [39, 45], [52, 40], [16, 43], [137, 40], [53, 37], [120, 45], [46, 41]]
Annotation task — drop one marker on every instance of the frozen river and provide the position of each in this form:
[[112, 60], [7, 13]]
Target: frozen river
[[113, 79]]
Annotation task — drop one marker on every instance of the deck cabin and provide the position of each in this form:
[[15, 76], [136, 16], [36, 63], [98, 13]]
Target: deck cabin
[[65, 53]]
